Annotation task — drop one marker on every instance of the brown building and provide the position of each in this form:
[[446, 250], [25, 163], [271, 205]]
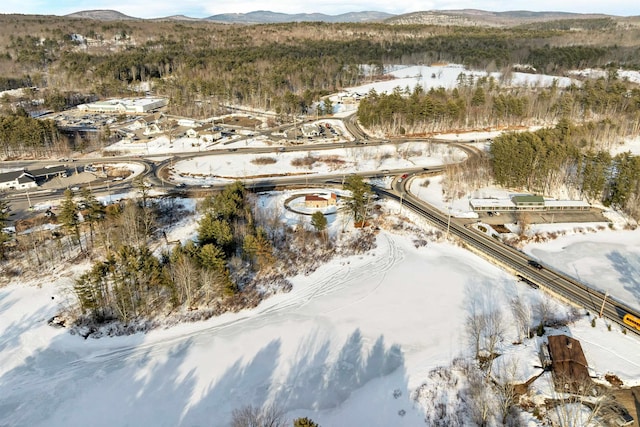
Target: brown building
[[569, 365], [320, 200]]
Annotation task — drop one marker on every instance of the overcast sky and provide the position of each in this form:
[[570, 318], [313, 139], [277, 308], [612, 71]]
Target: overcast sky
[[204, 8]]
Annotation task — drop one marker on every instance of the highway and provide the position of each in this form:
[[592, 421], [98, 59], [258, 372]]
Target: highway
[[508, 258], [558, 284]]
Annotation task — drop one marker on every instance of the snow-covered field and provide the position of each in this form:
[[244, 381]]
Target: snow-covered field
[[218, 169], [446, 76], [348, 345]]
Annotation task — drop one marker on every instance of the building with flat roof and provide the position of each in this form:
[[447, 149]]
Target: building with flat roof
[[125, 105], [526, 203]]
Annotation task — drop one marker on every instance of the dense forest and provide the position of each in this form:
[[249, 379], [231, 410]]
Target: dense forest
[[282, 67], [552, 160], [484, 102]]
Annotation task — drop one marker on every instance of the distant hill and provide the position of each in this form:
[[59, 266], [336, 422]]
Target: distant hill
[[101, 15], [464, 17], [176, 18], [475, 17], [267, 17]]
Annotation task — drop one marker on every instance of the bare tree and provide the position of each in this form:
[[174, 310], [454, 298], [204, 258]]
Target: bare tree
[[474, 328], [524, 220], [474, 324], [185, 276], [542, 310], [250, 416], [522, 315], [493, 334], [570, 404], [506, 394], [481, 404]]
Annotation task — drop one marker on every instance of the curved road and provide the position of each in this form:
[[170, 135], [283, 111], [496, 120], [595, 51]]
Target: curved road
[[511, 259]]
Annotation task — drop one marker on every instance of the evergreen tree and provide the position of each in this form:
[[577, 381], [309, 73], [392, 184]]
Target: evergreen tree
[[93, 210], [258, 248], [304, 422], [69, 215], [358, 202], [327, 106], [216, 231], [319, 221], [4, 217]]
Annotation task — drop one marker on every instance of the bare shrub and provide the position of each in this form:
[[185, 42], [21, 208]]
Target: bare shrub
[[306, 161], [250, 416], [264, 161]]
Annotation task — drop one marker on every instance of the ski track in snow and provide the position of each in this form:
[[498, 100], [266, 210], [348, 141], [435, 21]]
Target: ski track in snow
[[38, 376]]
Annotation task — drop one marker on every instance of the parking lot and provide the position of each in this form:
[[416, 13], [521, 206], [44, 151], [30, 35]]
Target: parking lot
[[544, 217]]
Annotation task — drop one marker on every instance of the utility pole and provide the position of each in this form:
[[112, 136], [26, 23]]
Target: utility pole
[[448, 221], [606, 294], [26, 190]]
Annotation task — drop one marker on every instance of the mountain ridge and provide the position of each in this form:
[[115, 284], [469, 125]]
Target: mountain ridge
[[475, 17]]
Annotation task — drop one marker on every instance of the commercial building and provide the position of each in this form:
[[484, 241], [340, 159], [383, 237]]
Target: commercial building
[[125, 106], [17, 180], [526, 203]]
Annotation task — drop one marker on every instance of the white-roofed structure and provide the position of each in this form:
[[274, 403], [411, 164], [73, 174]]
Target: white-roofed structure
[[125, 105], [526, 203]]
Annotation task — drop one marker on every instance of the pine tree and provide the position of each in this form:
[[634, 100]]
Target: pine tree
[[69, 215], [93, 210], [304, 422], [361, 194], [4, 217], [319, 221]]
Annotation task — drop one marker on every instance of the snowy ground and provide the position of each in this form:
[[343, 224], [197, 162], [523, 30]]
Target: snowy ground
[[161, 144], [339, 161], [347, 346]]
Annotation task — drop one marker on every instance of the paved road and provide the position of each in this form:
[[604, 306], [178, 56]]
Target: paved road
[[555, 282], [515, 261]]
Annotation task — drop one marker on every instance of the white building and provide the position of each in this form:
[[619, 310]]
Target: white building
[[527, 203], [125, 106], [17, 180]]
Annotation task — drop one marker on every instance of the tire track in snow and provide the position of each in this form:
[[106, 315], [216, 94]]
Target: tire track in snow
[[24, 383]]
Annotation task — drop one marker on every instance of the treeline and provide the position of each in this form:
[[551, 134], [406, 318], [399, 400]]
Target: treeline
[[551, 159], [8, 83], [484, 101], [134, 284], [21, 134], [599, 24], [266, 66]]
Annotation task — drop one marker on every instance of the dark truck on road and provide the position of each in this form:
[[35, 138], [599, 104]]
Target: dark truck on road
[[535, 264]]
